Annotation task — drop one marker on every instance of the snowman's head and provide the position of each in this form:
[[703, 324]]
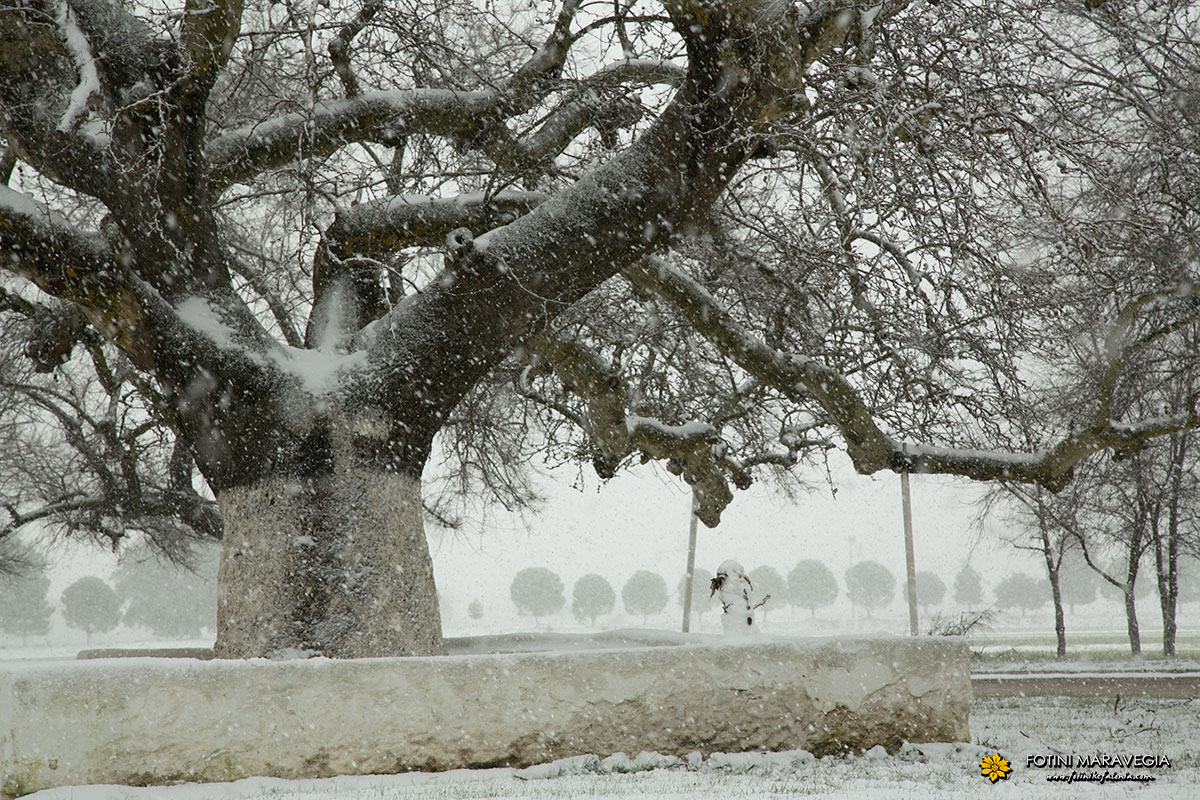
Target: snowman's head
[[731, 569]]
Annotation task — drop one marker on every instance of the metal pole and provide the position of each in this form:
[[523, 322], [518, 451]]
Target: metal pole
[[909, 560], [691, 565]]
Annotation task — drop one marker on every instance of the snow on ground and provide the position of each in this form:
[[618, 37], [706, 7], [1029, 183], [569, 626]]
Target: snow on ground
[[1013, 727]]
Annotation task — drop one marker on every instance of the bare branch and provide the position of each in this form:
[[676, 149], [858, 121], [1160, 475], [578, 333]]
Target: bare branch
[[339, 45], [693, 450], [8, 162], [258, 282], [534, 80], [869, 448]]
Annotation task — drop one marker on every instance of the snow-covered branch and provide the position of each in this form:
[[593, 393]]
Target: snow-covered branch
[[635, 72], [538, 75], [586, 110], [347, 257], [240, 154], [369, 230], [693, 450], [42, 246], [797, 377], [89, 80], [1118, 349], [871, 450], [48, 77]]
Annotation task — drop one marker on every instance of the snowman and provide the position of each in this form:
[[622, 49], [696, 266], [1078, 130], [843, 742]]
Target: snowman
[[734, 588]]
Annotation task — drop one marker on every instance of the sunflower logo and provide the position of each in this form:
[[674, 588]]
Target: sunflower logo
[[995, 768]]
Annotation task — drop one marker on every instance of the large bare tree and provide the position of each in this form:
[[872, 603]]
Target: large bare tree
[[329, 233]]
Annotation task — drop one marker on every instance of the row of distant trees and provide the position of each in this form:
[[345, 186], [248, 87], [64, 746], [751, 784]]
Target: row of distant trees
[[810, 584], [168, 601]]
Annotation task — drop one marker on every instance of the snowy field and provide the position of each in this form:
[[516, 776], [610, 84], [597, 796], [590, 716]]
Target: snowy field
[[1014, 727]]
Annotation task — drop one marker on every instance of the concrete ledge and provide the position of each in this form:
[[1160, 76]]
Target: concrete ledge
[[150, 721], [1123, 684]]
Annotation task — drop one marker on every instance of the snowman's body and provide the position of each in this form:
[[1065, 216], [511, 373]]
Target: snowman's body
[[734, 588]]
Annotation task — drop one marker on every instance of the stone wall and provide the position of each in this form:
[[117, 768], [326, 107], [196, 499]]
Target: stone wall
[[146, 721]]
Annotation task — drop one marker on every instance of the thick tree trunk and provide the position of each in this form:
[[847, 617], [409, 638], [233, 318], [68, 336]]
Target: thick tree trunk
[[336, 565]]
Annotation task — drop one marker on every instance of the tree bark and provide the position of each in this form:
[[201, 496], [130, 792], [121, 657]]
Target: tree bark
[[1131, 624], [1166, 554], [1170, 625], [335, 564], [1053, 572]]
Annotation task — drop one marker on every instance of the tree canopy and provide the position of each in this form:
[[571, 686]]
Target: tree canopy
[[870, 584], [811, 585], [168, 600], [930, 589], [90, 605], [1019, 590], [537, 591], [968, 586], [592, 596], [292, 255], [645, 593], [24, 609]]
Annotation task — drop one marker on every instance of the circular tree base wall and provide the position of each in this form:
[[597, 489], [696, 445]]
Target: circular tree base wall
[[149, 721]]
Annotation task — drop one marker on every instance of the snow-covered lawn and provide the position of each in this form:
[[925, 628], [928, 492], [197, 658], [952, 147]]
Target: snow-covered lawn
[[1013, 727]]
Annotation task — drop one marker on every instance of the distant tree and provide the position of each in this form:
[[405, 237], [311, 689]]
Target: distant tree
[[537, 591], [170, 600], [930, 589], [24, 609], [1019, 590], [91, 605], [811, 585], [1078, 583], [475, 609], [16, 558], [702, 599], [644, 593], [870, 584], [968, 587], [768, 581], [592, 596]]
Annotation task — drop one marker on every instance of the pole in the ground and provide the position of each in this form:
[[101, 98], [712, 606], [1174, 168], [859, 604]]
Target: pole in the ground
[[691, 565], [910, 561]]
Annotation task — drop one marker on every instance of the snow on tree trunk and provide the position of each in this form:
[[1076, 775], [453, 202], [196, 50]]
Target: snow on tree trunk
[[1131, 622], [336, 565], [1169, 626]]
